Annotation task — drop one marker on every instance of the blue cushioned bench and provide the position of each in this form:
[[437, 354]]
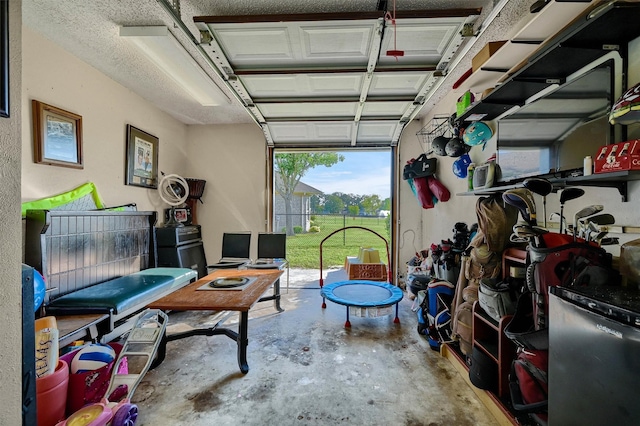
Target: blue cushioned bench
[[121, 295], [100, 269], [124, 295]]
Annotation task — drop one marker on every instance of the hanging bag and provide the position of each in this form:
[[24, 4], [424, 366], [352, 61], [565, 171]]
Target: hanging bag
[[438, 189], [423, 193], [419, 167]]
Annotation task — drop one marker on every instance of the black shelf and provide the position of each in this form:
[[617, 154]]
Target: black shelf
[[618, 180], [517, 91], [484, 110], [591, 36], [490, 347]]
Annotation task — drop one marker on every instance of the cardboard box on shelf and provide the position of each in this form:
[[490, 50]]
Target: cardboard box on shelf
[[483, 55], [618, 157]]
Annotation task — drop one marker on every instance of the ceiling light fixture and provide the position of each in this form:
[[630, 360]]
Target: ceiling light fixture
[[159, 45]]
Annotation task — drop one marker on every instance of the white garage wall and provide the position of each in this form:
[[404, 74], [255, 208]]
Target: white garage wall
[[53, 76], [10, 278], [232, 159]]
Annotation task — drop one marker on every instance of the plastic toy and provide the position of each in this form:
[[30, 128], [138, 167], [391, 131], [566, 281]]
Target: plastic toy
[[116, 408], [477, 133], [92, 357], [39, 289]]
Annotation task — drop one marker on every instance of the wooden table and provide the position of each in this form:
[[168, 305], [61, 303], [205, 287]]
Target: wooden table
[[189, 298]]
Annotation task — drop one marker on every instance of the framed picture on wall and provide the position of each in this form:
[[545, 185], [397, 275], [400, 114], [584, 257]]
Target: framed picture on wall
[[142, 158], [4, 58], [57, 136]]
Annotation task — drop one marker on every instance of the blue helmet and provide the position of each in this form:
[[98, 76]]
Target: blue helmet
[[477, 133], [461, 165]]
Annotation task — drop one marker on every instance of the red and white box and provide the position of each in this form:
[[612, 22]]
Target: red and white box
[[618, 157]]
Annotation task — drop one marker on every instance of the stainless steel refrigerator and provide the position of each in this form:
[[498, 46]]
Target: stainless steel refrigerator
[[594, 356]]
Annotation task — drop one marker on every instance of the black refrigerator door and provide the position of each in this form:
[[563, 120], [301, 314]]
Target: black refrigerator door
[[594, 368]]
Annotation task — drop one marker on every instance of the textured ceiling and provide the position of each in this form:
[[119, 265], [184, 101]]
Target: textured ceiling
[[89, 31]]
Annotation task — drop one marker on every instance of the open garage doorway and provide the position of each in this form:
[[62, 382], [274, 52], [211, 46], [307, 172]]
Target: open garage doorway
[[315, 193]]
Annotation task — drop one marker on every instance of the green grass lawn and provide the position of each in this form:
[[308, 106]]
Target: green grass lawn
[[303, 250]]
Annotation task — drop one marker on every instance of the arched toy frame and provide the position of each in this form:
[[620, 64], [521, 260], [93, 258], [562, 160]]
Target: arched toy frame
[[360, 293], [356, 227]]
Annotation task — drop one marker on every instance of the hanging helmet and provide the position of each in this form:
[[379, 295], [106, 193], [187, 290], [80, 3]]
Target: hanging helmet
[[455, 147], [477, 133], [438, 145], [626, 110], [39, 289], [461, 165]]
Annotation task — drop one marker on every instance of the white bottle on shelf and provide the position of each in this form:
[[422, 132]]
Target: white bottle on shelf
[[588, 166]]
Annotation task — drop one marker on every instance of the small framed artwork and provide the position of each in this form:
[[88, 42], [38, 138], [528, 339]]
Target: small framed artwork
[[142, 158], [180, 214], [57, 136]]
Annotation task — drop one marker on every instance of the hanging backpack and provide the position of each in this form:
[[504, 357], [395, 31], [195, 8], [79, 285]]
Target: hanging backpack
[[419, 167]]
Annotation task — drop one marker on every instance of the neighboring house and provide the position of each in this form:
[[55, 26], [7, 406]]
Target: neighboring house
[[300, 206]]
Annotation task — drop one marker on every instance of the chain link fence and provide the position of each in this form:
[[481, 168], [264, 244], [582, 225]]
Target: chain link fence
[[303, 247]]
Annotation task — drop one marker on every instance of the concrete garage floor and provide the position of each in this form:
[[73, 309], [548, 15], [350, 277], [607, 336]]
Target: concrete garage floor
[[307, 369]]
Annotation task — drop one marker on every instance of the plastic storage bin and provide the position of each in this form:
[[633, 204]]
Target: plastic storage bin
[[51, 395]]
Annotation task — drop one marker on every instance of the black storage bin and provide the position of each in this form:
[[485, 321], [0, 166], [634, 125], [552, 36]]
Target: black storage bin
[[483, 372]]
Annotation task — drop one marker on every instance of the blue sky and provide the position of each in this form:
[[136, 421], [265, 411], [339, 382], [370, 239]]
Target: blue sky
[[361, 173]]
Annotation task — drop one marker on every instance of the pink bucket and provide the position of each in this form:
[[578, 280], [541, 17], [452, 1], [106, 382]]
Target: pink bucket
[[51, 395]]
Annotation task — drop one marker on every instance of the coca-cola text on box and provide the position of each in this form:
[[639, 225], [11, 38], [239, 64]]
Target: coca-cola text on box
[[618, 157]]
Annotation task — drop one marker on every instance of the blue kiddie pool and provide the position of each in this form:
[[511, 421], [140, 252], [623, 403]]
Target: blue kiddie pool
[[362, 294]]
